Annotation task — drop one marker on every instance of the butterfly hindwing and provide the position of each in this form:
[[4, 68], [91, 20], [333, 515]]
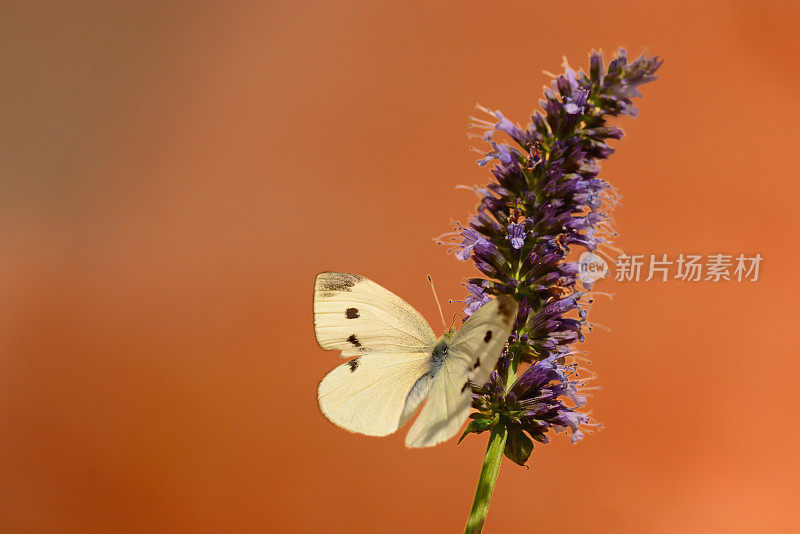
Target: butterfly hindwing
[[357, 316], [446, 408], [472, 355], [368, 394]]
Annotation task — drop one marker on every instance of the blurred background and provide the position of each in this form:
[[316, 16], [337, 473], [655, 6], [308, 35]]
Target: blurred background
[[175, 174]]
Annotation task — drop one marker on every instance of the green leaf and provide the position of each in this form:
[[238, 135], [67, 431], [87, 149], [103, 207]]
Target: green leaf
[[518, 446]]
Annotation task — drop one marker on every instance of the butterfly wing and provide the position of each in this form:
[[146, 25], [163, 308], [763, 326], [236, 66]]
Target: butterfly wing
[[357, 316], [368, 394], [482, 337], [472, 355], [371, 393]]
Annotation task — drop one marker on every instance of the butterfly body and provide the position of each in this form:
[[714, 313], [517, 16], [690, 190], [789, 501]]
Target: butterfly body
[[399, 362], [439, 353]]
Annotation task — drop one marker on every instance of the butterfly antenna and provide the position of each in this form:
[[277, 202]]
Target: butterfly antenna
[[438, 305], [454, 319]]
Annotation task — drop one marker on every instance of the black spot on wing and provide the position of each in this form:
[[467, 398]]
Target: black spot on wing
[[354, 340], [351, 313], [466, 384], [488, 336], [477, 363], [353, 365]]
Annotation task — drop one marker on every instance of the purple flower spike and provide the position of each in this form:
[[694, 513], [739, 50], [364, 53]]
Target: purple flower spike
[[546, 197]]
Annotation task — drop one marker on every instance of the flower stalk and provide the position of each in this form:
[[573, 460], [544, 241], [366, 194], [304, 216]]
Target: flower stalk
[[487, 479], [545, 198]]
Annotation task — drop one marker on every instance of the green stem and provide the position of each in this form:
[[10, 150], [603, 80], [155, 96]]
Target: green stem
[[512, 373], [489, 471], [491, 465]]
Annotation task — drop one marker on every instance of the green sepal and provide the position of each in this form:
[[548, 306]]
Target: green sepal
[[479, 425], [518, 446]]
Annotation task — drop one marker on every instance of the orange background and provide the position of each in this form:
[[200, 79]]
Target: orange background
[[174, 175]]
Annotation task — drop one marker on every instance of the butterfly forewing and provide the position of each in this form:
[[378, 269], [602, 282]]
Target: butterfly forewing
[[357, 316], [482, 337]]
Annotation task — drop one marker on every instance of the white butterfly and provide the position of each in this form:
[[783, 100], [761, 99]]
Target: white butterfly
[[399, 362]]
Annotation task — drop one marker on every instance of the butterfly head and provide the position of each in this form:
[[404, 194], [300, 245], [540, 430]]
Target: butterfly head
[[446, 337]]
